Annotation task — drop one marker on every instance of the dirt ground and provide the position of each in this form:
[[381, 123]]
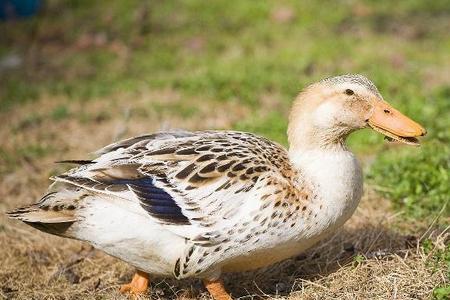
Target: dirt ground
[[370, 258]]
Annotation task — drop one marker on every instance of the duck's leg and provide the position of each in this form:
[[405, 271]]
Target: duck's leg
[[216, 289], [138, 284]]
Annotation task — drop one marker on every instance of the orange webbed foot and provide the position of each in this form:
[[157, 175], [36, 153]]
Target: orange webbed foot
[[216, 289], [138, 284]]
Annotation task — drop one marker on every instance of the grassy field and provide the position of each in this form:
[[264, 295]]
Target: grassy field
[[82, 74]]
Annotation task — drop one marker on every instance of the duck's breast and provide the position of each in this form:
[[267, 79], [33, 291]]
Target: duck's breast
[[336, 178]]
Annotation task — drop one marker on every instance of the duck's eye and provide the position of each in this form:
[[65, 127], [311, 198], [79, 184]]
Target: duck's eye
[[349, 92]]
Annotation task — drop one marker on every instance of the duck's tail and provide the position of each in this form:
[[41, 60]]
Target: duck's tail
[[44, 220], [55, 213]]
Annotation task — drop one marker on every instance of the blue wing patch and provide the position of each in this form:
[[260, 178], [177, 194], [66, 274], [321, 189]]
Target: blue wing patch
[[157, 202]]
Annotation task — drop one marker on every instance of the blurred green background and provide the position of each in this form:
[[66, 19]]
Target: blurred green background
[[258, 54]]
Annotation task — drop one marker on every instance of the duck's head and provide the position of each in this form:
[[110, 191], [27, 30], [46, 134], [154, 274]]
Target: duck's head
[[326, 112]]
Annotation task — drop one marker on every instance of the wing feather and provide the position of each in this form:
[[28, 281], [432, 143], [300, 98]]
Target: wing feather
[[199, 185]]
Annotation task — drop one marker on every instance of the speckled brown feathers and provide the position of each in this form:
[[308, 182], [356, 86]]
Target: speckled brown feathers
[[206, 180]]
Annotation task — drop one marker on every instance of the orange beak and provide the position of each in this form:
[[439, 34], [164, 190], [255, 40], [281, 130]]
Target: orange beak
[[394, 124]]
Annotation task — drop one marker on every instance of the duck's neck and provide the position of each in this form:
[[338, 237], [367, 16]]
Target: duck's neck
[[318, 152], [322, 157], [308, 139]]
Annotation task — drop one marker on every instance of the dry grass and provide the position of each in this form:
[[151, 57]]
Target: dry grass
[[369, 259]]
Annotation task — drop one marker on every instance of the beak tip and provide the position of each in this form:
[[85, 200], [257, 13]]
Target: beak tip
[[424, 132]]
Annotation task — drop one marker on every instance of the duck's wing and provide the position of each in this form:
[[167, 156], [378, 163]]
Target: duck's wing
[[199, 185]]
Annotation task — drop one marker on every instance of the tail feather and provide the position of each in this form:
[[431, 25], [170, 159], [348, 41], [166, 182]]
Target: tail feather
[[54, 222], [60, 229], [54, 213], [35, 213], [75, 161]]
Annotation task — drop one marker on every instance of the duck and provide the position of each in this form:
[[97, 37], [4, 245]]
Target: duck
[[200, 204]]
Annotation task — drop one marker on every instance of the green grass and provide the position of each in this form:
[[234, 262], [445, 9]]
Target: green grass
[[416, 181], [243, 51], [437, 259], [442, 293], [60, 113]]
